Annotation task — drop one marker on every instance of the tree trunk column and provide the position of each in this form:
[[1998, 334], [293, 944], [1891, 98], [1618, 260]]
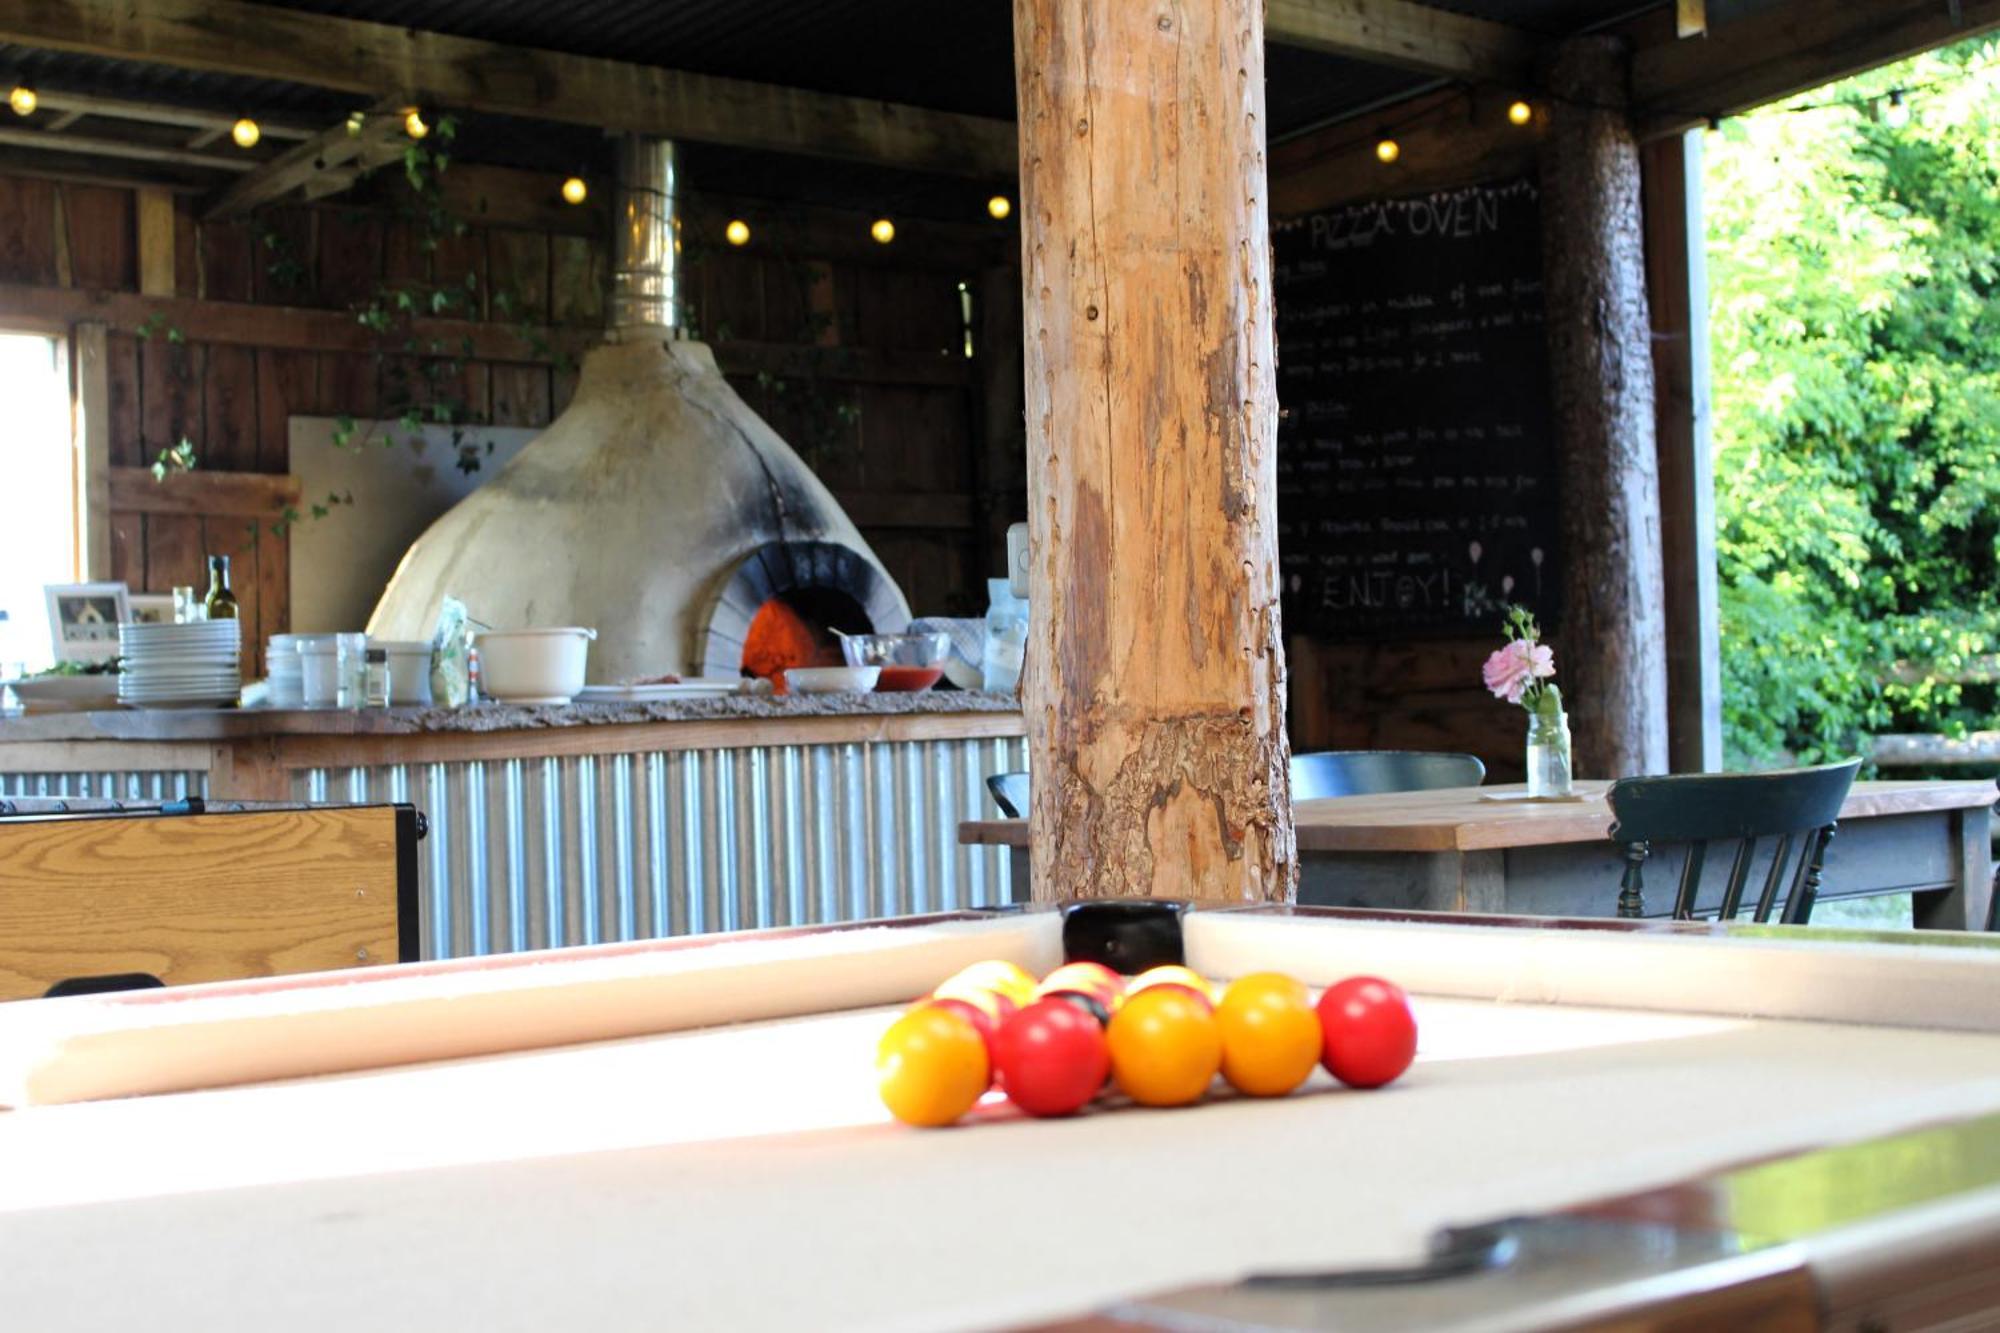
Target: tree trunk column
[[1155, 689], [1612, 637]]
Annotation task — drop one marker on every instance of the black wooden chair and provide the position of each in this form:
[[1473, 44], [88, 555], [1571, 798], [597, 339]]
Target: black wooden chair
[[1327, 773], [1370, 772], [1799, 807]]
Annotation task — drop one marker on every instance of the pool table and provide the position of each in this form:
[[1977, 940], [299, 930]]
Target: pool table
[[1609, 1124]]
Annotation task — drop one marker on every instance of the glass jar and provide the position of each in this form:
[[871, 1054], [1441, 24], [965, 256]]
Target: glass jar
[[1548, 750]]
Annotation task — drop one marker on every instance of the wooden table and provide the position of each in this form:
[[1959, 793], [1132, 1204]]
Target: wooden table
[[1463, 850]]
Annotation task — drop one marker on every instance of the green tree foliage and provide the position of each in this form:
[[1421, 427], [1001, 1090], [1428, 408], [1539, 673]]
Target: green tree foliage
[[1853, 263]]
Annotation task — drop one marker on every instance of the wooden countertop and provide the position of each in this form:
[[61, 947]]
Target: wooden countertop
[[1464, 819], [1000, 715]]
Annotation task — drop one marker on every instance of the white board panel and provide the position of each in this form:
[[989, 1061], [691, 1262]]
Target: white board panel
[[341, 563]]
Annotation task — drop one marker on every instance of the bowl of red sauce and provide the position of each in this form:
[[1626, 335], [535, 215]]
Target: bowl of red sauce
[[909, 662]]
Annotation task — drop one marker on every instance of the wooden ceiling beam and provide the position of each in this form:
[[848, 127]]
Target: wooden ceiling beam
[[1790, 48], [214, 123], [325, 164], [1406, 35], [373, 59], [95, 146]]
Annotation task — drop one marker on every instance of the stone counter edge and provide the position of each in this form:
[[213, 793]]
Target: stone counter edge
[[240, 724]]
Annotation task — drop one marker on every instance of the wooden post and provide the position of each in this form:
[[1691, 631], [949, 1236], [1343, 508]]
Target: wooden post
[[1155, 695], [1612, 644], [1677, 291]]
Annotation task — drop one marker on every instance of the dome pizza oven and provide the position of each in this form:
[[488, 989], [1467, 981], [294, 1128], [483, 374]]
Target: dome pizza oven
[[658, 508]]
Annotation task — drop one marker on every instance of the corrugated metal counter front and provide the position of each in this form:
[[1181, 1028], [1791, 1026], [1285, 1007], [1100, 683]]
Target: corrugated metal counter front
[[558, 826]]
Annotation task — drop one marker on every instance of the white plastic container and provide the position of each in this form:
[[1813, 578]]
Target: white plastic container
[[319, 671], [409, 671], [532, 666]]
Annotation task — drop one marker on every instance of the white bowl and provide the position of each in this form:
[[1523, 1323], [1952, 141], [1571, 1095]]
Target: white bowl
[[831, 680], [532, 666]]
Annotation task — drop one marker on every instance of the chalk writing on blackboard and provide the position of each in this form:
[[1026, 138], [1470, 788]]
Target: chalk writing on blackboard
[[1416, 473]]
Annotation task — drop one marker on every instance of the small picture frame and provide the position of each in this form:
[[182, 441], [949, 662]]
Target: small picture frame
[[84, 619], [151, 608]]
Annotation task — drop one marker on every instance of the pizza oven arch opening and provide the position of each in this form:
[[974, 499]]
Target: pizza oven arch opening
[[787, 602]]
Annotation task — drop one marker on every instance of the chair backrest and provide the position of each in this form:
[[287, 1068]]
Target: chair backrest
[[1366, 772], [1010, 793], [1799, 807]]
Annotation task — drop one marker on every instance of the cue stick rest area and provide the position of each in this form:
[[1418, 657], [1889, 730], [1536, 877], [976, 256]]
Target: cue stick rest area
[[99, 899]]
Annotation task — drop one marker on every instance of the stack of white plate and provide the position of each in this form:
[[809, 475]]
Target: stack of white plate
[[281, 662], [180, 666]]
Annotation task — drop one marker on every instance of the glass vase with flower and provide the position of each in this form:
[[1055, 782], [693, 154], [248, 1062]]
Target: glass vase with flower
[[1522, 672]]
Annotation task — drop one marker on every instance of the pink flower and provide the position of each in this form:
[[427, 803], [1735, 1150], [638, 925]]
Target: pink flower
[[1517, 665]]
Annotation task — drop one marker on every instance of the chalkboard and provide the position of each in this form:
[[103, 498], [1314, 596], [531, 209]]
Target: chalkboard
[[1416, 473]]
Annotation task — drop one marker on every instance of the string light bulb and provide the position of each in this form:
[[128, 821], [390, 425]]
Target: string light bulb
[[23, 100], [574, 190], [356, 122], [883, 230], [246, 133], [999, 206], [414, 124], [737, 232], [1520, 113], [1897, 114], [1388, 150]]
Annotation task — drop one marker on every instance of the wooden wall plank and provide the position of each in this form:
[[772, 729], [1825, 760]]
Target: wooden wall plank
[[28, 242], [350, 249], [349, 385], [229, 416], [103, 241], [578, 273], [227, 261], [128, 549], [201, 493], [274, 589], [121, 364], [520, 274], [521, 395], [286, 255], [287, 386], [461, 258], [174, 553], [170, 394]]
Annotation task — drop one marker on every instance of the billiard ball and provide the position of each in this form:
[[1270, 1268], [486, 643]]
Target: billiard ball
[[1369, 1035], [1165, 1046], [981, 1010], [1271, 1036], [995, 974], [931, 1066], [1092, 985], [1173, 974], [1051, 1058], [1090, 978]]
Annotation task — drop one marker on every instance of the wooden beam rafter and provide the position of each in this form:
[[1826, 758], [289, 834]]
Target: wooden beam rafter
[[263, 41], [99, 146], [1785, 49], [327, 163], [1406, 35]]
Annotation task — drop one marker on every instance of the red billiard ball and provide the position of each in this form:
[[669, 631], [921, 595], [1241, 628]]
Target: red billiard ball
[[1051, 1058], [1369, 1034]]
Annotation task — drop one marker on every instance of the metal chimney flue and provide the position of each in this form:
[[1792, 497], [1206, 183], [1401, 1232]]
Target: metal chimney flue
[[645, 247]]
